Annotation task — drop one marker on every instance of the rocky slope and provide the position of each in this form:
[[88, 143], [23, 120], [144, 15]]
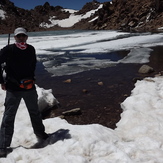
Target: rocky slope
[[146, 15], [127, 15]]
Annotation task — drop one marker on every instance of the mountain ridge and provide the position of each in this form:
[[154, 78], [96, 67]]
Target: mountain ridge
[[124, 15]]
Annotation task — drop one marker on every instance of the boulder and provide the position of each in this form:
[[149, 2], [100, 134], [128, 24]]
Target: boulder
[[145, 69]]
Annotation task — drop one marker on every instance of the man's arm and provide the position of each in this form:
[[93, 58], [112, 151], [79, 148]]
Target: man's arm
[[3, 54], [3, 86], [1, 75], [34, 61]]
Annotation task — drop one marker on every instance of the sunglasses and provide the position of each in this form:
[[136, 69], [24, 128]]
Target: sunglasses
[[21, 35]]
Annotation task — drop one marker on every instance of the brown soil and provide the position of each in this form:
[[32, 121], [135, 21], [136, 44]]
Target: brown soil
[[98, 103]]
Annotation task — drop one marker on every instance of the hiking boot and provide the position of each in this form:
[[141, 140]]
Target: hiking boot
[[9, 150], [3, 152], [40, 142]]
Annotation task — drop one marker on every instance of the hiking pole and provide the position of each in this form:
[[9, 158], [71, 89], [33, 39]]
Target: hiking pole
[[3, 65], [8, 38]]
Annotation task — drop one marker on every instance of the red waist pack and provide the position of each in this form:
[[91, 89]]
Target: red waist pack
[[26, 83]]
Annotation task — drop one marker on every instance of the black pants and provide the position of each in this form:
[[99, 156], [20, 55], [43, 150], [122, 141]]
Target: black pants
[[12, 102]]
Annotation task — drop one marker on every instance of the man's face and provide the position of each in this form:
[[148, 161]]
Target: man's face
[[21, 38]]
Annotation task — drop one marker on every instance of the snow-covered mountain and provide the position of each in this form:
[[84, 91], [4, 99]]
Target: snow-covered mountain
[[125, 15]]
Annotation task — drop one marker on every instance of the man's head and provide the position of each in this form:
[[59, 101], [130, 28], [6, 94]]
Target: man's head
[[20, 35]]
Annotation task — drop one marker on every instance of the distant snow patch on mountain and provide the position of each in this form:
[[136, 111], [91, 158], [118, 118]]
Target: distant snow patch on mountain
[[69, 22]]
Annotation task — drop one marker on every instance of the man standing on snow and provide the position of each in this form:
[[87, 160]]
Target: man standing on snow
[[20, 60]]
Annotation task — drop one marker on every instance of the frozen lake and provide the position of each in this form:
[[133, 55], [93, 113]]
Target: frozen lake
[[70, 52]]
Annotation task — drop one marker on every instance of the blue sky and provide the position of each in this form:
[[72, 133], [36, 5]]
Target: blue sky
[[70, 4]]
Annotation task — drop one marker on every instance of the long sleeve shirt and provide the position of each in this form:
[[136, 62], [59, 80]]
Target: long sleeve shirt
[[20, 64]]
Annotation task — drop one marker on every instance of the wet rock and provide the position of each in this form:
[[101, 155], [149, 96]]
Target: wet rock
[[100, 83], [85, 91], [67, 81]]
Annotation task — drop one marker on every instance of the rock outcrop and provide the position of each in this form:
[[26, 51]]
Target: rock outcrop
[[138, 15]]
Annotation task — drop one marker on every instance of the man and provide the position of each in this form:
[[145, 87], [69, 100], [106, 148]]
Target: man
[[20, 60]]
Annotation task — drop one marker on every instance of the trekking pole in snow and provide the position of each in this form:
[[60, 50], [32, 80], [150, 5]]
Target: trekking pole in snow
[[8, 38], [4, 64]]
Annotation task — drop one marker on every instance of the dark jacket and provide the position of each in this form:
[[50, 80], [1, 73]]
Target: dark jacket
[[20, 64]]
